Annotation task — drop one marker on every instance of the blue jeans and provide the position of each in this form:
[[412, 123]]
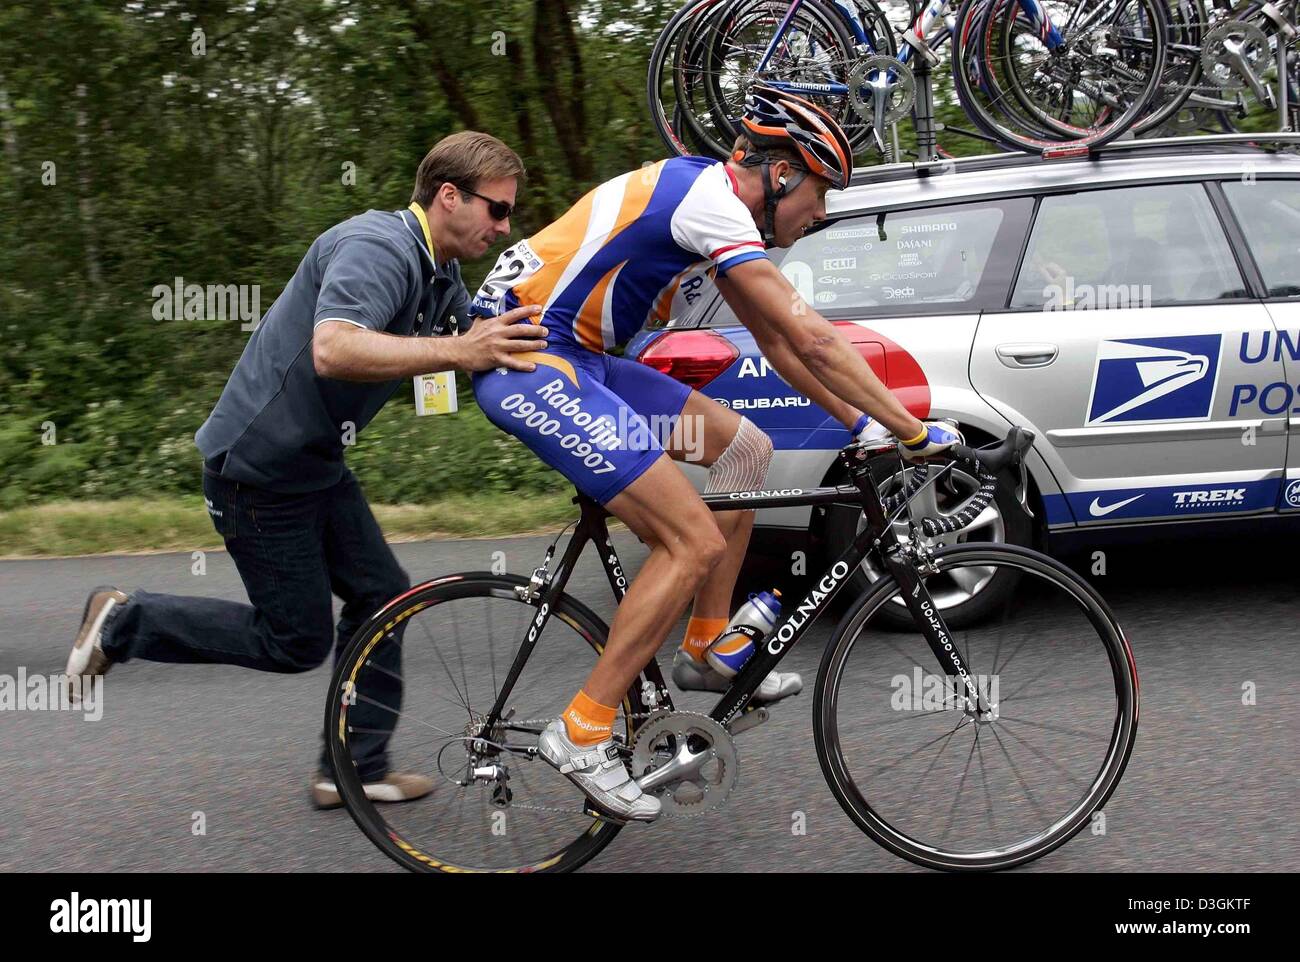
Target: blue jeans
[[292, 551]]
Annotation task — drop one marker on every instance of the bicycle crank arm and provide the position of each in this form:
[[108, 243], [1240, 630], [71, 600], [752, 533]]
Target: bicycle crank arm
[[1213, 103], [750, 718], [1236, 59], [685, 763]]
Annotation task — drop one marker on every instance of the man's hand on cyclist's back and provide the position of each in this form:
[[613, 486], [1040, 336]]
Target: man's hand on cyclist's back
[[494, 341]]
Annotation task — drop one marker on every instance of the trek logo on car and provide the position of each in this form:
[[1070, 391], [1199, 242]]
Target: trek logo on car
[[1210, 496]]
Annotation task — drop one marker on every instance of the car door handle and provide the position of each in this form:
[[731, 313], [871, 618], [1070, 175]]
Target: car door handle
[[1027, 355]]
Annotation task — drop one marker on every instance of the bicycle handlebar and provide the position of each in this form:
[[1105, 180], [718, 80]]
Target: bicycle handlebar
[[1007, 453], [987, 462]]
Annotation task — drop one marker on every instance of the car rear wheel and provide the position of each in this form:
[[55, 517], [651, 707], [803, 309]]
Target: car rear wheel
[[964, 597]]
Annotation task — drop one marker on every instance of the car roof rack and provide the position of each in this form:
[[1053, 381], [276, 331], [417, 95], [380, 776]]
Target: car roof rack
[[1266, 142]]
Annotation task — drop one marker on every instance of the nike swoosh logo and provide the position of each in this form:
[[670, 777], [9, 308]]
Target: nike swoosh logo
[[1097, 511]]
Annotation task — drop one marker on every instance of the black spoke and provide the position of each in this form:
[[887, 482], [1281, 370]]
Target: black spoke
[[1045, 758], [956, 796], [451, 677]]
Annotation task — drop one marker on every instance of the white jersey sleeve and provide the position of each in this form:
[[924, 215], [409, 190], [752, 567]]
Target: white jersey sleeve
[[712, 221]]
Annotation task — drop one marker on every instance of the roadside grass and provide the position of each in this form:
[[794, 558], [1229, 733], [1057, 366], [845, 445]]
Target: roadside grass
[[71, 528]]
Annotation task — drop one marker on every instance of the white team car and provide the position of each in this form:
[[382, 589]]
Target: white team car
[[1138, 311]]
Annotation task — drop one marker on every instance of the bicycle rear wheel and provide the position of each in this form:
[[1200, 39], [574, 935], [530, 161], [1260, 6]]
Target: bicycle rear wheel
[[932, 782], [422, 674]]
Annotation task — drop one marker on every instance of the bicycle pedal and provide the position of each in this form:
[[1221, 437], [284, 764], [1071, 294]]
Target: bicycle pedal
[[592, 811]]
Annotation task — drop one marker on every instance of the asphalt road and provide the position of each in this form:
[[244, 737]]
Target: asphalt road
[[1212, 784]]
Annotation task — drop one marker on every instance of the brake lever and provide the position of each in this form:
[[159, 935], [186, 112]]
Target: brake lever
[[971, 455], [1022, 489]]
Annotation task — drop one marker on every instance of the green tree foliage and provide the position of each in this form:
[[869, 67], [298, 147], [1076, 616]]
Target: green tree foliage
[[144, 140]]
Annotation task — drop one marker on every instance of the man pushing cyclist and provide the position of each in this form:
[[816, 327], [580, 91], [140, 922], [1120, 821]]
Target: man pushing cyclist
[[624, 255]]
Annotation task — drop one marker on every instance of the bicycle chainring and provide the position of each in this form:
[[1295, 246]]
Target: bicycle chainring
[[902, 93], [703, 749], [1218, 47]]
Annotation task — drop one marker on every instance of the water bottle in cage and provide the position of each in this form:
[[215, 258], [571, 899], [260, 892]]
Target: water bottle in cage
[[739, 640]]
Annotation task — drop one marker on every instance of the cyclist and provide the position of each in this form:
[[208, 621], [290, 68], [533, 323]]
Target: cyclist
[[640, 247]]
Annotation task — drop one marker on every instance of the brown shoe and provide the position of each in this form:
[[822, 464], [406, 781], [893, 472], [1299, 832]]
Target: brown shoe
[[397, 787], [87, 657]]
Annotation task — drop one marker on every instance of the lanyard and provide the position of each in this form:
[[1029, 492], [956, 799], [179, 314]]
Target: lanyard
[[418, 211]]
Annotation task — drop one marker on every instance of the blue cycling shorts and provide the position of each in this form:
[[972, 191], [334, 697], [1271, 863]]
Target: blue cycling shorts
[[601, 421]]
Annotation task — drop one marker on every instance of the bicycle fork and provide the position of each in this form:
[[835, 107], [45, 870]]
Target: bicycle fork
[[926, 614], [908, 563]]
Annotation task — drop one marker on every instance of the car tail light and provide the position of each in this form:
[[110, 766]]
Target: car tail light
[[693, 357]]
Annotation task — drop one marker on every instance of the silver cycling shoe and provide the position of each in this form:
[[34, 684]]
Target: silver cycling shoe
[[692, 675], [599, 771]]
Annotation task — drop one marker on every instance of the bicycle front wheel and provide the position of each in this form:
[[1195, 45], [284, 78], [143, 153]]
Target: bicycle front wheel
[[411, 693], [944, 787]]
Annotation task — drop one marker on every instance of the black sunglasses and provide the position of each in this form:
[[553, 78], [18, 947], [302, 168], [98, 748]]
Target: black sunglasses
[[499, 209]]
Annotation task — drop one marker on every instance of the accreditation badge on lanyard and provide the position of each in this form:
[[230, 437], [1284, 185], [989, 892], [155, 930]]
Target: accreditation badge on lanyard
[[434, 393]]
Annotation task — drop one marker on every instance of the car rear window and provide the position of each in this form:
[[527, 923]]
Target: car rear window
[[1126, 247], [895, 259], [936, 260], [1269, 214]]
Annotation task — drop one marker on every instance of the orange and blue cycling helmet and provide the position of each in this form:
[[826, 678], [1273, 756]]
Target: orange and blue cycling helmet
[[774, 119], [777, 119]]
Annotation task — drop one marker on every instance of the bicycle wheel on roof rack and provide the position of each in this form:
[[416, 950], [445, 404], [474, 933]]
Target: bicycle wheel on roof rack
[[1082, 80], [817, 49], [675, 88], [1125, 75], [970, 58], [1182, 77]]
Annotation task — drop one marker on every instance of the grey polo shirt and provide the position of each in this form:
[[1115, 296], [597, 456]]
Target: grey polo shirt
[[279, 423]]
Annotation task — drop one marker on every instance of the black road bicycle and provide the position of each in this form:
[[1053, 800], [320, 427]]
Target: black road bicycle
[[976, 749]]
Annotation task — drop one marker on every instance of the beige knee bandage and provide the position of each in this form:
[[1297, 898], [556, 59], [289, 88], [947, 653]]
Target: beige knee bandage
[[743, 465]]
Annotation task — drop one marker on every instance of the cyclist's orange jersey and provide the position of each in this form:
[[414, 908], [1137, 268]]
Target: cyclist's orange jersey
[[637, 248]]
